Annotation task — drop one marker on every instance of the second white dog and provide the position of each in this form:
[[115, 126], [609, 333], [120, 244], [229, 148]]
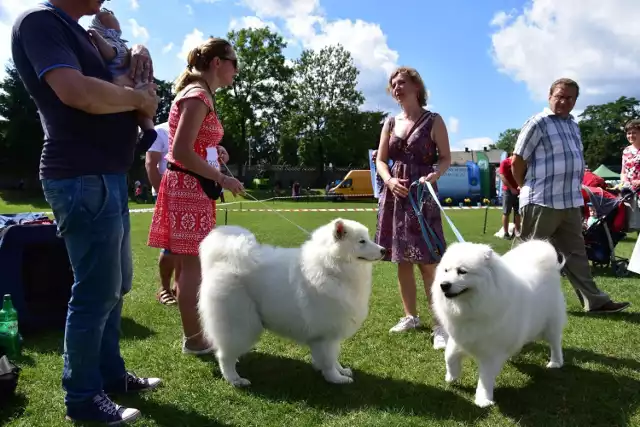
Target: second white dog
[[491, 306], [317, 295]]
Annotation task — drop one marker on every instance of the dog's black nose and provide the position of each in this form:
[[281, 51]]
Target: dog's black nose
[[445, 286], [383, 251]]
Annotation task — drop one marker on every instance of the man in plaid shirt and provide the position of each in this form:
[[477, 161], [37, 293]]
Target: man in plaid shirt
[[548, 166]]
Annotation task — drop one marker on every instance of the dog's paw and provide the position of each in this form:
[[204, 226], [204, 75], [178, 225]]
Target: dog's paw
[[347, 372], [483, 402], [450, 378], [240, 382], [338, 379], [554, 365]]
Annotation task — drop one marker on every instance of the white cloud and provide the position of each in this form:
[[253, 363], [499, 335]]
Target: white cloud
[[591, 41], [454, 124], [139, 32], [476, 144], [500, 18], [366, 41], [9, 11], [167, 48], [189, 9], [251, 22], [283, 8], [135, 5], [191, 40]]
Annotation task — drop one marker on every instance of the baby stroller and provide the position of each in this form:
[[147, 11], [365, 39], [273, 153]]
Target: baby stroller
[[609, 228]]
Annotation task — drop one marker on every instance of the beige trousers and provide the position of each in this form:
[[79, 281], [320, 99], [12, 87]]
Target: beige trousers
[[563, 228]]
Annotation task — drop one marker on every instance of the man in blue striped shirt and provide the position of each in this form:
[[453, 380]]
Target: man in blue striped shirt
[[549, 166]]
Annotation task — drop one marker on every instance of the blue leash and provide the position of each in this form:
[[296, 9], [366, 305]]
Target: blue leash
[[427, 232]]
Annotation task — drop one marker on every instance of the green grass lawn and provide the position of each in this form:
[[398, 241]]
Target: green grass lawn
[[399, 379]]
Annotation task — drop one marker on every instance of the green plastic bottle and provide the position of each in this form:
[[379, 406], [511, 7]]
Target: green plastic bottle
[[9, 336]]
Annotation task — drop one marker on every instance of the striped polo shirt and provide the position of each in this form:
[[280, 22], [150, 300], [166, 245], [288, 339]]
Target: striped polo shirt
[[552, 149]]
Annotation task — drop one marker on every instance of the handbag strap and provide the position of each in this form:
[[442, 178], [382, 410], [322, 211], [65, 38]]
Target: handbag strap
[[174, 167]]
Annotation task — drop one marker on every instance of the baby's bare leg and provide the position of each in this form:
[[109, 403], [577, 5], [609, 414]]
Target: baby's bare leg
[[145, 123]]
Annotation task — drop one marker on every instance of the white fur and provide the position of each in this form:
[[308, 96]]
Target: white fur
[[496, 305], [317, 295]]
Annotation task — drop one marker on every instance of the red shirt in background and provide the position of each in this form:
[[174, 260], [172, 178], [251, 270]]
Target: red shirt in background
[[505, 171]]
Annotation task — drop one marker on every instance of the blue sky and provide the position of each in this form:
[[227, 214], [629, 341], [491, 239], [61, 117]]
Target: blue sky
[[487, 64]]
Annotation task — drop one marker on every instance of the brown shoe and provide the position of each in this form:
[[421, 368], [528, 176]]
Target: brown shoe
[[611, 307]]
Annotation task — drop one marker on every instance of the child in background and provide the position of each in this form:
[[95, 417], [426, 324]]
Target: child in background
[[106, 34], [593, 217]]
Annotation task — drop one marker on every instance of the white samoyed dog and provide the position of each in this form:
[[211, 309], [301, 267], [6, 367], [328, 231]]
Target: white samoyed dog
[[492, 305], [317, 295]]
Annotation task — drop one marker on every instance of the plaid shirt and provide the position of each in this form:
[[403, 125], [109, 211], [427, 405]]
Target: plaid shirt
[[552, 149]]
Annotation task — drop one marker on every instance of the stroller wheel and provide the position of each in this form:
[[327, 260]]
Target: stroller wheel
[[620, 268]]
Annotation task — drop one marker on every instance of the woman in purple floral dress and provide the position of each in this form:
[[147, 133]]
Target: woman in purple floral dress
[[416, 140]]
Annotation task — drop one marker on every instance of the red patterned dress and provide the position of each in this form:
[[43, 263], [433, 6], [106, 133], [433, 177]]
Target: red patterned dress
[[184, 215], [630, 164]]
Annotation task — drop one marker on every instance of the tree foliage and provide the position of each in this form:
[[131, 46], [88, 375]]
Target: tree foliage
[[326, 100], [260, 98], [507, 140], [21, 132], [602, 129]]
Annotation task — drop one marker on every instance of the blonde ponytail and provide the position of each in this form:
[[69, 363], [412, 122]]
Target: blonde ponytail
[[198, 60]]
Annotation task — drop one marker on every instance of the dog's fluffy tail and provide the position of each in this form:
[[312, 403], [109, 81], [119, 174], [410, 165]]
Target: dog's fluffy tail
[[232, 245], [538, 253]]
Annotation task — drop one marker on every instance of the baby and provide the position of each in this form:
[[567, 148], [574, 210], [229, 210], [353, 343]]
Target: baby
[[593, 216], [106, 34]]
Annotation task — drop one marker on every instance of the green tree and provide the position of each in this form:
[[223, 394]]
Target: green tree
[[325, 89], [602, 129], [22, 140], [350, 135], [254, 108], [166, 95], [507, 140]]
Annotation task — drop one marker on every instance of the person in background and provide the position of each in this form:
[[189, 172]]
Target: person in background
[[223, 158], [630, 173], [416, 140], [510, 196], [184, 214], [90, 134], [156, 165], [552, 204]]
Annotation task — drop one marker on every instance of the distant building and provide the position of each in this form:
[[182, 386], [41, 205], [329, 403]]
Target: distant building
[[459, 158]]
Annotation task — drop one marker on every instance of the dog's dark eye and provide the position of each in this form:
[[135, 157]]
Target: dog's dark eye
[[363, 241], [462, 271]]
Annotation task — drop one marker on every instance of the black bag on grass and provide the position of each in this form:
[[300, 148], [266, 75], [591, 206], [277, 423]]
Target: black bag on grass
[[9, 374]]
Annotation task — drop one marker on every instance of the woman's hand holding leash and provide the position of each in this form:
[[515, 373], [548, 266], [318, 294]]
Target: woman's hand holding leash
[[223, 155], [432, 178], [232, 185], [398, 186]]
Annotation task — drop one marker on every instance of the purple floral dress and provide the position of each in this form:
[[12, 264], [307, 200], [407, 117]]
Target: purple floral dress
[[398, 228]]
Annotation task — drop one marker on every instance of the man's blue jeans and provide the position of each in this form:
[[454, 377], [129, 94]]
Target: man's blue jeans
[[92, 214]]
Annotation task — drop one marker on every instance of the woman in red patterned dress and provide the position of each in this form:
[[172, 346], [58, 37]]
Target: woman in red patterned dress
[[184, 215], [631, 155]]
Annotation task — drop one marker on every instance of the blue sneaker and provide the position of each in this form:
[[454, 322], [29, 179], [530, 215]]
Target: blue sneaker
[[101, 409], [132, 384]]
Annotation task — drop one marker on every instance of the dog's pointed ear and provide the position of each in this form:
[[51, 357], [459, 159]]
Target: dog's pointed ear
[[340, 230], [488, 254]]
